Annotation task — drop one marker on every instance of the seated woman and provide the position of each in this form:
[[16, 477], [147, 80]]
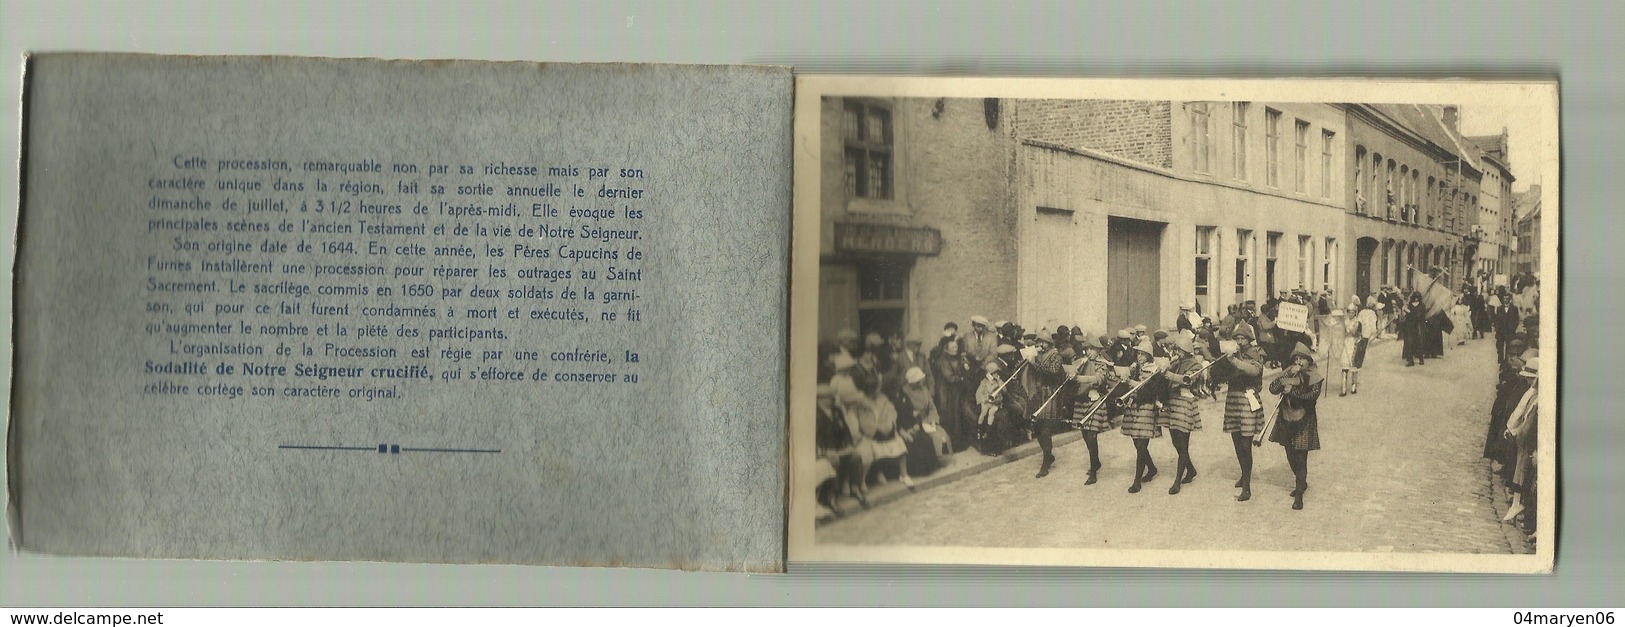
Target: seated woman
[[876, 417], [928, 443]]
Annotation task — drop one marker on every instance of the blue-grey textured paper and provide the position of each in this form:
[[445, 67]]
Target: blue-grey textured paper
[[683, 468]]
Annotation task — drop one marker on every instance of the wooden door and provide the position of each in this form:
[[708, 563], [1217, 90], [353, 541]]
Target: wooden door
[[1133, 273], [1365, 251]]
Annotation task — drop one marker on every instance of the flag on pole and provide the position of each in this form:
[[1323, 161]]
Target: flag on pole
[[1436, 297]]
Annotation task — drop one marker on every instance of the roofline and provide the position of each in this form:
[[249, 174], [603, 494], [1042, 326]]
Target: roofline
[[1400, 130]]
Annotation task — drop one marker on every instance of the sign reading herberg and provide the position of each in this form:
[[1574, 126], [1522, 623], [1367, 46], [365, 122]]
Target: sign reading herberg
[[882, 238]]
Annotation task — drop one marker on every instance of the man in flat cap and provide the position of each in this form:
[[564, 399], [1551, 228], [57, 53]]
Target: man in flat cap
[[980, 342]]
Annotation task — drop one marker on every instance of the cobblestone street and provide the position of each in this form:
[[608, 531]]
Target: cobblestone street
[[1399, 471]]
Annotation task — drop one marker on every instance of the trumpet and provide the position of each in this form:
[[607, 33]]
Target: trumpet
[[1258, 438], [1052, 396], [1124, 396]]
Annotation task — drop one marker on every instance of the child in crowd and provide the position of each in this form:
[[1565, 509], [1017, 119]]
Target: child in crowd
[[986, 398]]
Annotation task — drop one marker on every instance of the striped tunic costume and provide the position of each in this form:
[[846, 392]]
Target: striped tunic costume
[[1247, 374], [1140, 414], [1090, 378], [1179, 412]]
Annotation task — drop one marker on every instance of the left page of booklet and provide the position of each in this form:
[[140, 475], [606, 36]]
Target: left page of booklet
[[446, 311]]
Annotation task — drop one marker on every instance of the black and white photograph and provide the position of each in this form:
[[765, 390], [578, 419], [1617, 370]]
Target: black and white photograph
[[1253, 324]]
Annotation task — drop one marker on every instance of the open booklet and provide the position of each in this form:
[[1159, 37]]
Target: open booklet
[[473, 312]]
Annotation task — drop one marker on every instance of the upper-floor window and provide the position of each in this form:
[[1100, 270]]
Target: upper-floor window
[[1201, 138], [1301, 173], [1238, 141], [1326, 141], [867, 131], [1272, 147], [1361, 196]]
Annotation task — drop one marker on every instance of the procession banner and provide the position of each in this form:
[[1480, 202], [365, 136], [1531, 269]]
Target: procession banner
[[1292, 317]]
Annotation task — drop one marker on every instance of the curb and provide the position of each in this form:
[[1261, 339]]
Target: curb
[[894, 491], [1500, 495]]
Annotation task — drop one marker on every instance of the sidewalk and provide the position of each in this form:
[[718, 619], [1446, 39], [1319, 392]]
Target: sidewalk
[[967, 463]]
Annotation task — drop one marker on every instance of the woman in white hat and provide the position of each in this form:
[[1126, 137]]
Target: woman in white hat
[[1140, 412], [1297, 427], [927, 441], [1352, 356]]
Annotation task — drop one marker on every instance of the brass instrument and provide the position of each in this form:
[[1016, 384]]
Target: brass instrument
[[1007, 381]]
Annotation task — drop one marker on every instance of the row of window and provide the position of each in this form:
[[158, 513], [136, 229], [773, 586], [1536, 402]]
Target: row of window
[[1302, 135], [1391, 190], [868, 140], [1207, 242], [1398, 259]]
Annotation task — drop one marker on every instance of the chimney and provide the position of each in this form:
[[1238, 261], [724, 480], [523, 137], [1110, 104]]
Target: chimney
[[1450, 115]]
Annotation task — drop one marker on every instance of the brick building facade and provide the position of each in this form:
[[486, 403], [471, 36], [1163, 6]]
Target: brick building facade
[[1043, 212], [1525, 258], [1110, 213], [1412, 197], [1493, 239], [918, 226]]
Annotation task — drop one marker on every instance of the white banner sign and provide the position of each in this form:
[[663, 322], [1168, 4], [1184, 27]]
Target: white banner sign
[[1293, 317]]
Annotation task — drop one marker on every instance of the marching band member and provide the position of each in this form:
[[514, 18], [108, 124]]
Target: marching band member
[[1013, 399], [1095, 379], [1243, 413], [1179, 412], [1296, 427], [1045, 376], [1140, 413]]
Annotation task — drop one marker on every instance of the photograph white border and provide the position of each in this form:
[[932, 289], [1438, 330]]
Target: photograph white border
[[1542, 100]]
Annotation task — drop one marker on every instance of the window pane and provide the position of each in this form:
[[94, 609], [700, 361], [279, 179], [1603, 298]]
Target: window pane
[[856, 172], [851, 121], [879, 175], [869, 285], [877, 129], [1238, 140]]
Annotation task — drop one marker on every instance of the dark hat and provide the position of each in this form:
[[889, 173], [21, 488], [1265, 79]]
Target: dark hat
[[1303, 351], [1160, 334]]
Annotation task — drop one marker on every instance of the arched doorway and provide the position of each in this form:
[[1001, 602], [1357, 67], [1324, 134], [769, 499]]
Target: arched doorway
[[1365, 249]]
